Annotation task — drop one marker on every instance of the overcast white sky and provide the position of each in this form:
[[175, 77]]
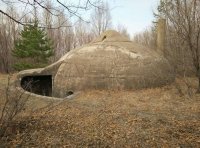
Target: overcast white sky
[[136, 15]]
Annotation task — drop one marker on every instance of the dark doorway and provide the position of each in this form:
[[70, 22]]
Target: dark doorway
[[41, 85]]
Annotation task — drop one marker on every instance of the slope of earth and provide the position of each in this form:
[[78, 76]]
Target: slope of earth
[[160, 117]]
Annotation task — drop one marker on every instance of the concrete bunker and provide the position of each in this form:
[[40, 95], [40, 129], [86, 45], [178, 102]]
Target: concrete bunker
[[111, 62], [40, 84]]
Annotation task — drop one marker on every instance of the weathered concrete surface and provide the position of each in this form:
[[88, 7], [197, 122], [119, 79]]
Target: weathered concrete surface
[[109, 62]]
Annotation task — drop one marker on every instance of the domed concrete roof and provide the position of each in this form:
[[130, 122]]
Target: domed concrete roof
[[110, 62]]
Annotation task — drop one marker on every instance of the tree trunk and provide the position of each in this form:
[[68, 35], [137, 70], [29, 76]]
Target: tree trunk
[[198, 75], [198, 89]]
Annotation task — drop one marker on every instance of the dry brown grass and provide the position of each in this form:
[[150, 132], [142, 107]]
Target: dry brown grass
[[160, 117], [3, 84]]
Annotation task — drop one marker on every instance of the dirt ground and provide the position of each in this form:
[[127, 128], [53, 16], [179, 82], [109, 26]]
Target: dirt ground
[[158, 117]]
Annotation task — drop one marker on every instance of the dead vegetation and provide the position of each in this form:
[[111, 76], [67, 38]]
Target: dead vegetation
[[160, 117], [13, 104]]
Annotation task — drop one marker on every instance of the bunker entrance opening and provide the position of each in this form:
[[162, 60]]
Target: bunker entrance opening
[[41, 85]]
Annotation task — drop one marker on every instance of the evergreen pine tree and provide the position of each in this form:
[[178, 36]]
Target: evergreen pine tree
[[33, 49]]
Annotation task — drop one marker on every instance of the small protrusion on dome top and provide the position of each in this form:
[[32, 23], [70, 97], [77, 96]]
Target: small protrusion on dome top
[[104, 37], [111, 36]]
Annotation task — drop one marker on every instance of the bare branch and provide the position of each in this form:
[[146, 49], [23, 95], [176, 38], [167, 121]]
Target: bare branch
[[70, 11], [15, 20]]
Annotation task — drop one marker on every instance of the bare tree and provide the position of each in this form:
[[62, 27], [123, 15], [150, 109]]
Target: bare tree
[[83, 33], [8, 35], [14, 104], [123, 30], [56, 19], [63, 37], [146, 38], [101, 19], [184, 17], [4, 52], [69, 7]]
